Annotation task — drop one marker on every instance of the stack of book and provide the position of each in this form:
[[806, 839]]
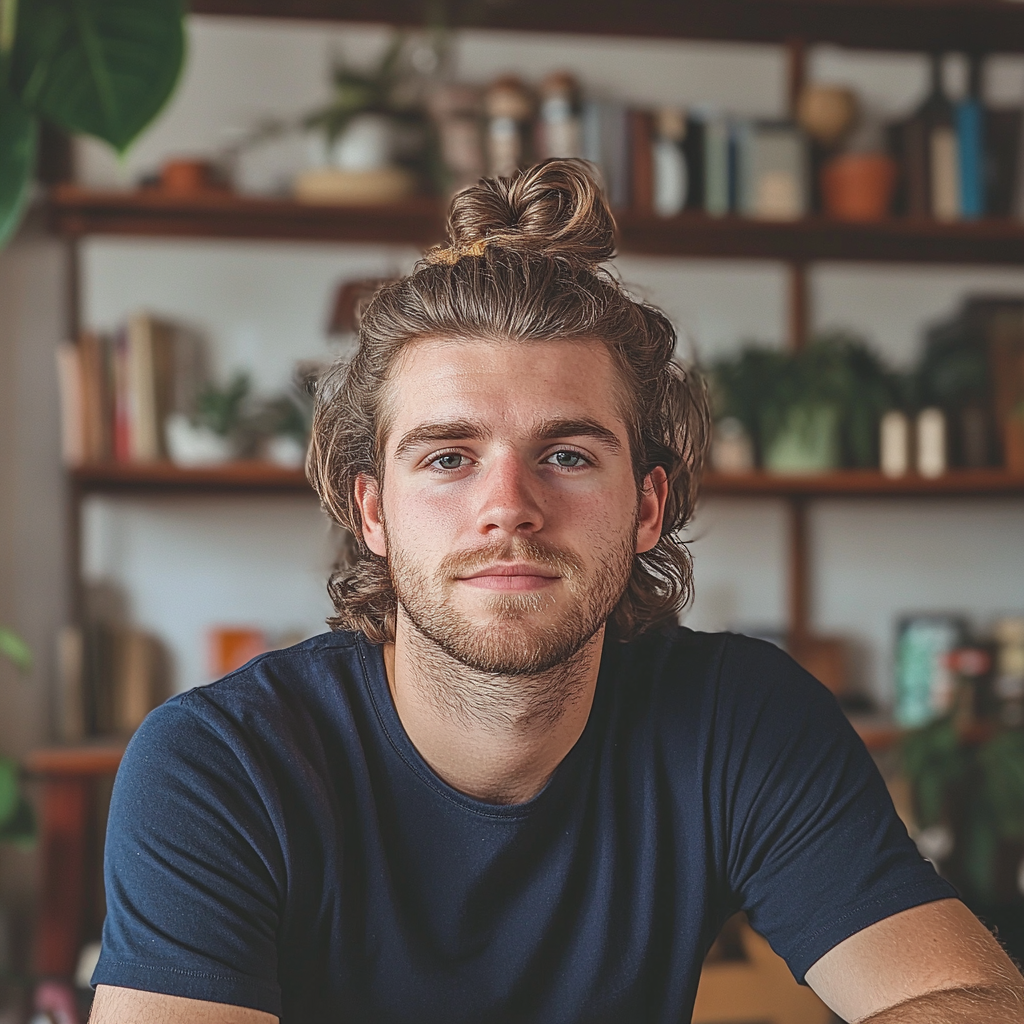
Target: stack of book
[[116, 391], [110, 676]]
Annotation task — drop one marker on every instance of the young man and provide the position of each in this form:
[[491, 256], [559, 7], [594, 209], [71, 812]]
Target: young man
[[509, 788]]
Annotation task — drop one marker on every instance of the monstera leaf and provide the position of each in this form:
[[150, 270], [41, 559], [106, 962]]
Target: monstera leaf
[[95, 67], [17, 156], [100, 67]]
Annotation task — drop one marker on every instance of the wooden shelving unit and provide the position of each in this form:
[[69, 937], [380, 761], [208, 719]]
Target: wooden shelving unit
[[266, 478], [972, 26], [77, 212]]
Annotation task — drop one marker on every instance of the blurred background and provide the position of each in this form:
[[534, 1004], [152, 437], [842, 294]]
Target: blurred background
[[826, 198]]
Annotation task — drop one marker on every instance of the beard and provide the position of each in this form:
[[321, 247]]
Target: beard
[[524, 634]]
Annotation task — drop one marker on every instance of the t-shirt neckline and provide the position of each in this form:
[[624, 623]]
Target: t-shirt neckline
[[371, 658]]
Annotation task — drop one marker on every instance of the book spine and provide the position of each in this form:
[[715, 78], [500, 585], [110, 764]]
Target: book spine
[[70, 387], [969, 124], [945, 183], [122, 419], [641, 162], [716, 167], [693, 151]]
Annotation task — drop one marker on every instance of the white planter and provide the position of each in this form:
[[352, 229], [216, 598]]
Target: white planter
[[367, 144], [189, 445], [286, 451]]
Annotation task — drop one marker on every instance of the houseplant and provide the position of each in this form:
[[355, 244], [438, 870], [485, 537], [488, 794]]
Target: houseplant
[[17, 822], [808, 411], [96, 67], [975, 792]]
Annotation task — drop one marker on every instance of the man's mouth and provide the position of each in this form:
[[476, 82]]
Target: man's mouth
[[506, 577]]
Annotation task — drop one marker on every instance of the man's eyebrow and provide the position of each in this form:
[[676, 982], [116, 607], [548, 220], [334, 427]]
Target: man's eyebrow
[[449, 430], [550, 430]]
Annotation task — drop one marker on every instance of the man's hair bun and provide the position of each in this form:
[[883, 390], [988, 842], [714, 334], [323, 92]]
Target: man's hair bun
[[554, 209]]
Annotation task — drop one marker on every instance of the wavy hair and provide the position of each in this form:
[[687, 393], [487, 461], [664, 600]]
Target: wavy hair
[[523, 265]]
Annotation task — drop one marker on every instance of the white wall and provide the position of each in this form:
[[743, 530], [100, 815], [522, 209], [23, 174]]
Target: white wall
[[33, 578], [188, 563]]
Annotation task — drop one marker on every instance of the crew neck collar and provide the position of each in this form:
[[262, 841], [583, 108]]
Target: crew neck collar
[[372, 660]]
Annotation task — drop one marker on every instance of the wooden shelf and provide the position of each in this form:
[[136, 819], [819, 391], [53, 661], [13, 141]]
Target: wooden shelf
[[249, 477], [101, 758], [859, 483], [76, 211], [262, 477], [899, 240], [962, 25]]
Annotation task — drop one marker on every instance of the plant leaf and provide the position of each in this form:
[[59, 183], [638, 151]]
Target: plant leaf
[[15, 648], [17, 158], [102, 67], [20, 827], [9, 791]]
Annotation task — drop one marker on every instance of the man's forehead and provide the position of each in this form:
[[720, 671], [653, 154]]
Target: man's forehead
[[529, 385]]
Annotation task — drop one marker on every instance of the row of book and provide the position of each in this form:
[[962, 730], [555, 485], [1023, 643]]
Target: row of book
[[110, 678], [117, 390], [952, 159], [957, 168]]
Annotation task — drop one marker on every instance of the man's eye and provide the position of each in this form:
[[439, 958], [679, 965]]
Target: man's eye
[[451, 460], [568, 460]]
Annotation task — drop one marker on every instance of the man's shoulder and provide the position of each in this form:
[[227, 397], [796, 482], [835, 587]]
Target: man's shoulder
[[681, 674], [277, 698]]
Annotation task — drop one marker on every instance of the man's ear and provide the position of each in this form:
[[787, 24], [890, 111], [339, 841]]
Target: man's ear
[[367, 495], [652, 509]]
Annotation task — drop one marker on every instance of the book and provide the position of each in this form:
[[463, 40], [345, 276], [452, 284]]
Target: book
[[72, 421], [970, 154], [111, 676], [1002, 162], [641, 141], [606, 145], [693, 153], [716, 166]]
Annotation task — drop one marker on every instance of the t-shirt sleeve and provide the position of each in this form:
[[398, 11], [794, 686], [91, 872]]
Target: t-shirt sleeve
[[816, 851], [192, 867]]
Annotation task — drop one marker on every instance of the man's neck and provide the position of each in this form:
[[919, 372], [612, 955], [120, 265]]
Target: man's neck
[[495, 738]]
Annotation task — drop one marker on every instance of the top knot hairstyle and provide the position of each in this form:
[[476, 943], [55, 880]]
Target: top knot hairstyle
[[523, 265]]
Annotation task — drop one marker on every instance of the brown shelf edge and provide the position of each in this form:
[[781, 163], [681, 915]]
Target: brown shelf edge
[[99, 759], [962, 25], [76, 212], [855, 483], [261, 477], [247, 477]]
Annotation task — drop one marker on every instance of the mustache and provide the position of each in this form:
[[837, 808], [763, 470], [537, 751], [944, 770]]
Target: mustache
[[561, 561]]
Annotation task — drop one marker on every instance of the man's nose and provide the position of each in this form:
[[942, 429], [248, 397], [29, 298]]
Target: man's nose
[[509, 499]]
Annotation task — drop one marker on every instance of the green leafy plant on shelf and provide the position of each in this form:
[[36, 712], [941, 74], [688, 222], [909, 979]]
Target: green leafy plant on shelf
[[17, 822], [975, 790], [103, 68], [811, 410]]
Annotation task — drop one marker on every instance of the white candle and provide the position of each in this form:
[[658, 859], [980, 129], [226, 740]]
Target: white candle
[[931, 442], [894, 444]]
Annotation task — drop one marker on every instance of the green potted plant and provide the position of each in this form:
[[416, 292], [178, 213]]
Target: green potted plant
[[809, 411], [17, 822], [973, 795], [97, 67], [213, 433]]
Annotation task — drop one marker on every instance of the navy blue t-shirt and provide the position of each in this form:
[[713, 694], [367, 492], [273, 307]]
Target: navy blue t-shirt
[[277, 842]]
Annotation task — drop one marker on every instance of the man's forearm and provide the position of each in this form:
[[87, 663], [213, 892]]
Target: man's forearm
[[1003, 1005]]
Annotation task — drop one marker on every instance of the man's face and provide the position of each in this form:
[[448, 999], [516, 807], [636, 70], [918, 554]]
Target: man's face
[[509, 514]]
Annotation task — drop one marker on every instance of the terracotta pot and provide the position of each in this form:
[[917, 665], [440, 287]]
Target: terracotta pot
[[189, 176], [858, 186]]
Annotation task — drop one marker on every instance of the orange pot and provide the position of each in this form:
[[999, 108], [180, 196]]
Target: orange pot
[[858, 186], [189, 176]]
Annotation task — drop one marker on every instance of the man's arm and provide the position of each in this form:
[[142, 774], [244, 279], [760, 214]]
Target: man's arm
[[132, 1006], [932, 964]]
